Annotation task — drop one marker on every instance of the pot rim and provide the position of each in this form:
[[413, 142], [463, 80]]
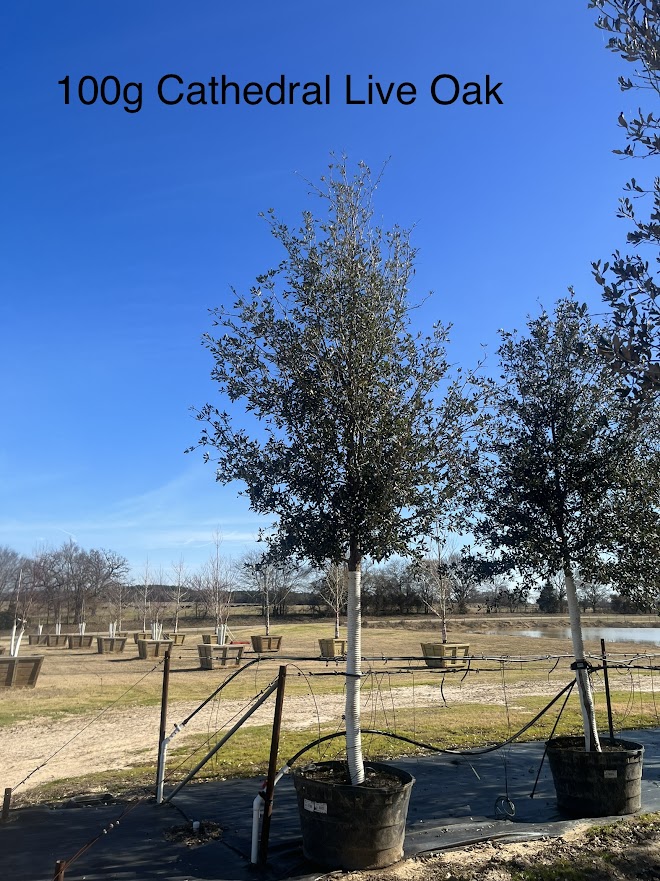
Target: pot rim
[[399, 774], [575, 743]]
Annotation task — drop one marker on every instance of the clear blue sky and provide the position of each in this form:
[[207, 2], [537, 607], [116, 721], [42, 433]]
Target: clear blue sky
[[121, 229]]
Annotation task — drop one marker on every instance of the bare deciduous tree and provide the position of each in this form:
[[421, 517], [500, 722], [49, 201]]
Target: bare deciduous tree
[[215, 581], [180, 589], [333, 591]]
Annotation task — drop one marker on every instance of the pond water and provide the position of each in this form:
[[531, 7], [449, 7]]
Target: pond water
[[649, 635]]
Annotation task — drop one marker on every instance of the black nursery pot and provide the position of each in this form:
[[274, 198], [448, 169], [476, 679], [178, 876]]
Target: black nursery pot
[[353, 827], [596, 784]]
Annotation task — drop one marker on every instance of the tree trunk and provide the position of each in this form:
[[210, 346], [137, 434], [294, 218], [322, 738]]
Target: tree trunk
[[337, 622], [581, 673], [267, 604], [354, 672]]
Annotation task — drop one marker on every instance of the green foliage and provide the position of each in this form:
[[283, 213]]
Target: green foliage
[[629, 285], [625, 605], [350, 449], [548, 600], [569, 475]]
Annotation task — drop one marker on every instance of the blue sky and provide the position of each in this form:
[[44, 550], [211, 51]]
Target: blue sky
[[121, 229]]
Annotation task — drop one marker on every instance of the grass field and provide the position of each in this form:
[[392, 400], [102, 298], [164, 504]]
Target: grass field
[[509, 679]]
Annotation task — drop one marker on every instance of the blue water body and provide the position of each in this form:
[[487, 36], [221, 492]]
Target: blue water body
[[649, 635]]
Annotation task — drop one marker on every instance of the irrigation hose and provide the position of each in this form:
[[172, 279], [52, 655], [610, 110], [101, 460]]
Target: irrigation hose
[[438, 749]]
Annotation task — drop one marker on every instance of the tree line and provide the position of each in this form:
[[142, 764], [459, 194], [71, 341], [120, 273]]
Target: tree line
[[68, 585]]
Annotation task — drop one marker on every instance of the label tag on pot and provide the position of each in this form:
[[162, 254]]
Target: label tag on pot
[[317, 807], [610, 775]]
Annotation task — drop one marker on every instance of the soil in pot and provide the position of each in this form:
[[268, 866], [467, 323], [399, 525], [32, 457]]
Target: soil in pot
[[596, 784], [352, 827]]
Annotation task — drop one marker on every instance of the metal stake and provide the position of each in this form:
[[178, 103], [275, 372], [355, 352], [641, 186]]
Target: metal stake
[[160, 770], [5, 805], [272, 767], [607, 690], [189, 776]]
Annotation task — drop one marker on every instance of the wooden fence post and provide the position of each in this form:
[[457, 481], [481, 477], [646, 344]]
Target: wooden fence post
[[5, 805]]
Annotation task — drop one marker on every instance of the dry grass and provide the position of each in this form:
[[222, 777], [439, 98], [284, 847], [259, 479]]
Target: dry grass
[[484, 704], [83, 681]]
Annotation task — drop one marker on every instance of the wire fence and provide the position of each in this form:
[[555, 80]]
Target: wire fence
[[633, 673]]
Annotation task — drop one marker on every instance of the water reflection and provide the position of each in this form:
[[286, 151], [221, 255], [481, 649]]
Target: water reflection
[[649, 635]]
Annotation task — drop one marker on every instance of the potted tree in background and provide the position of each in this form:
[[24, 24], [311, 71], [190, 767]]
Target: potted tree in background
[[180, 593], [332, 590], [142, 598], [261, 574], [17, 672], [568, 481], [353, 448], [437, 573], [215, 583]]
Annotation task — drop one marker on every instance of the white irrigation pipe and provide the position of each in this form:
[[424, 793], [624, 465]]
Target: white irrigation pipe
[[161, 764], [180, 726], [258, 811]]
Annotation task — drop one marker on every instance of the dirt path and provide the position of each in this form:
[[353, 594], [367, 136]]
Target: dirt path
[[626, 851], [129, 736]]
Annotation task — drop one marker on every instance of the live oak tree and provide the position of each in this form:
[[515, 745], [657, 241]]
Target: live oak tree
[[548, 601], [568, 477], [351, 450], [630, 281]]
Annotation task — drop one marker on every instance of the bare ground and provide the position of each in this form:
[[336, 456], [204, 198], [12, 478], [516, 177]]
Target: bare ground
[[626, 851], [78, 745]]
